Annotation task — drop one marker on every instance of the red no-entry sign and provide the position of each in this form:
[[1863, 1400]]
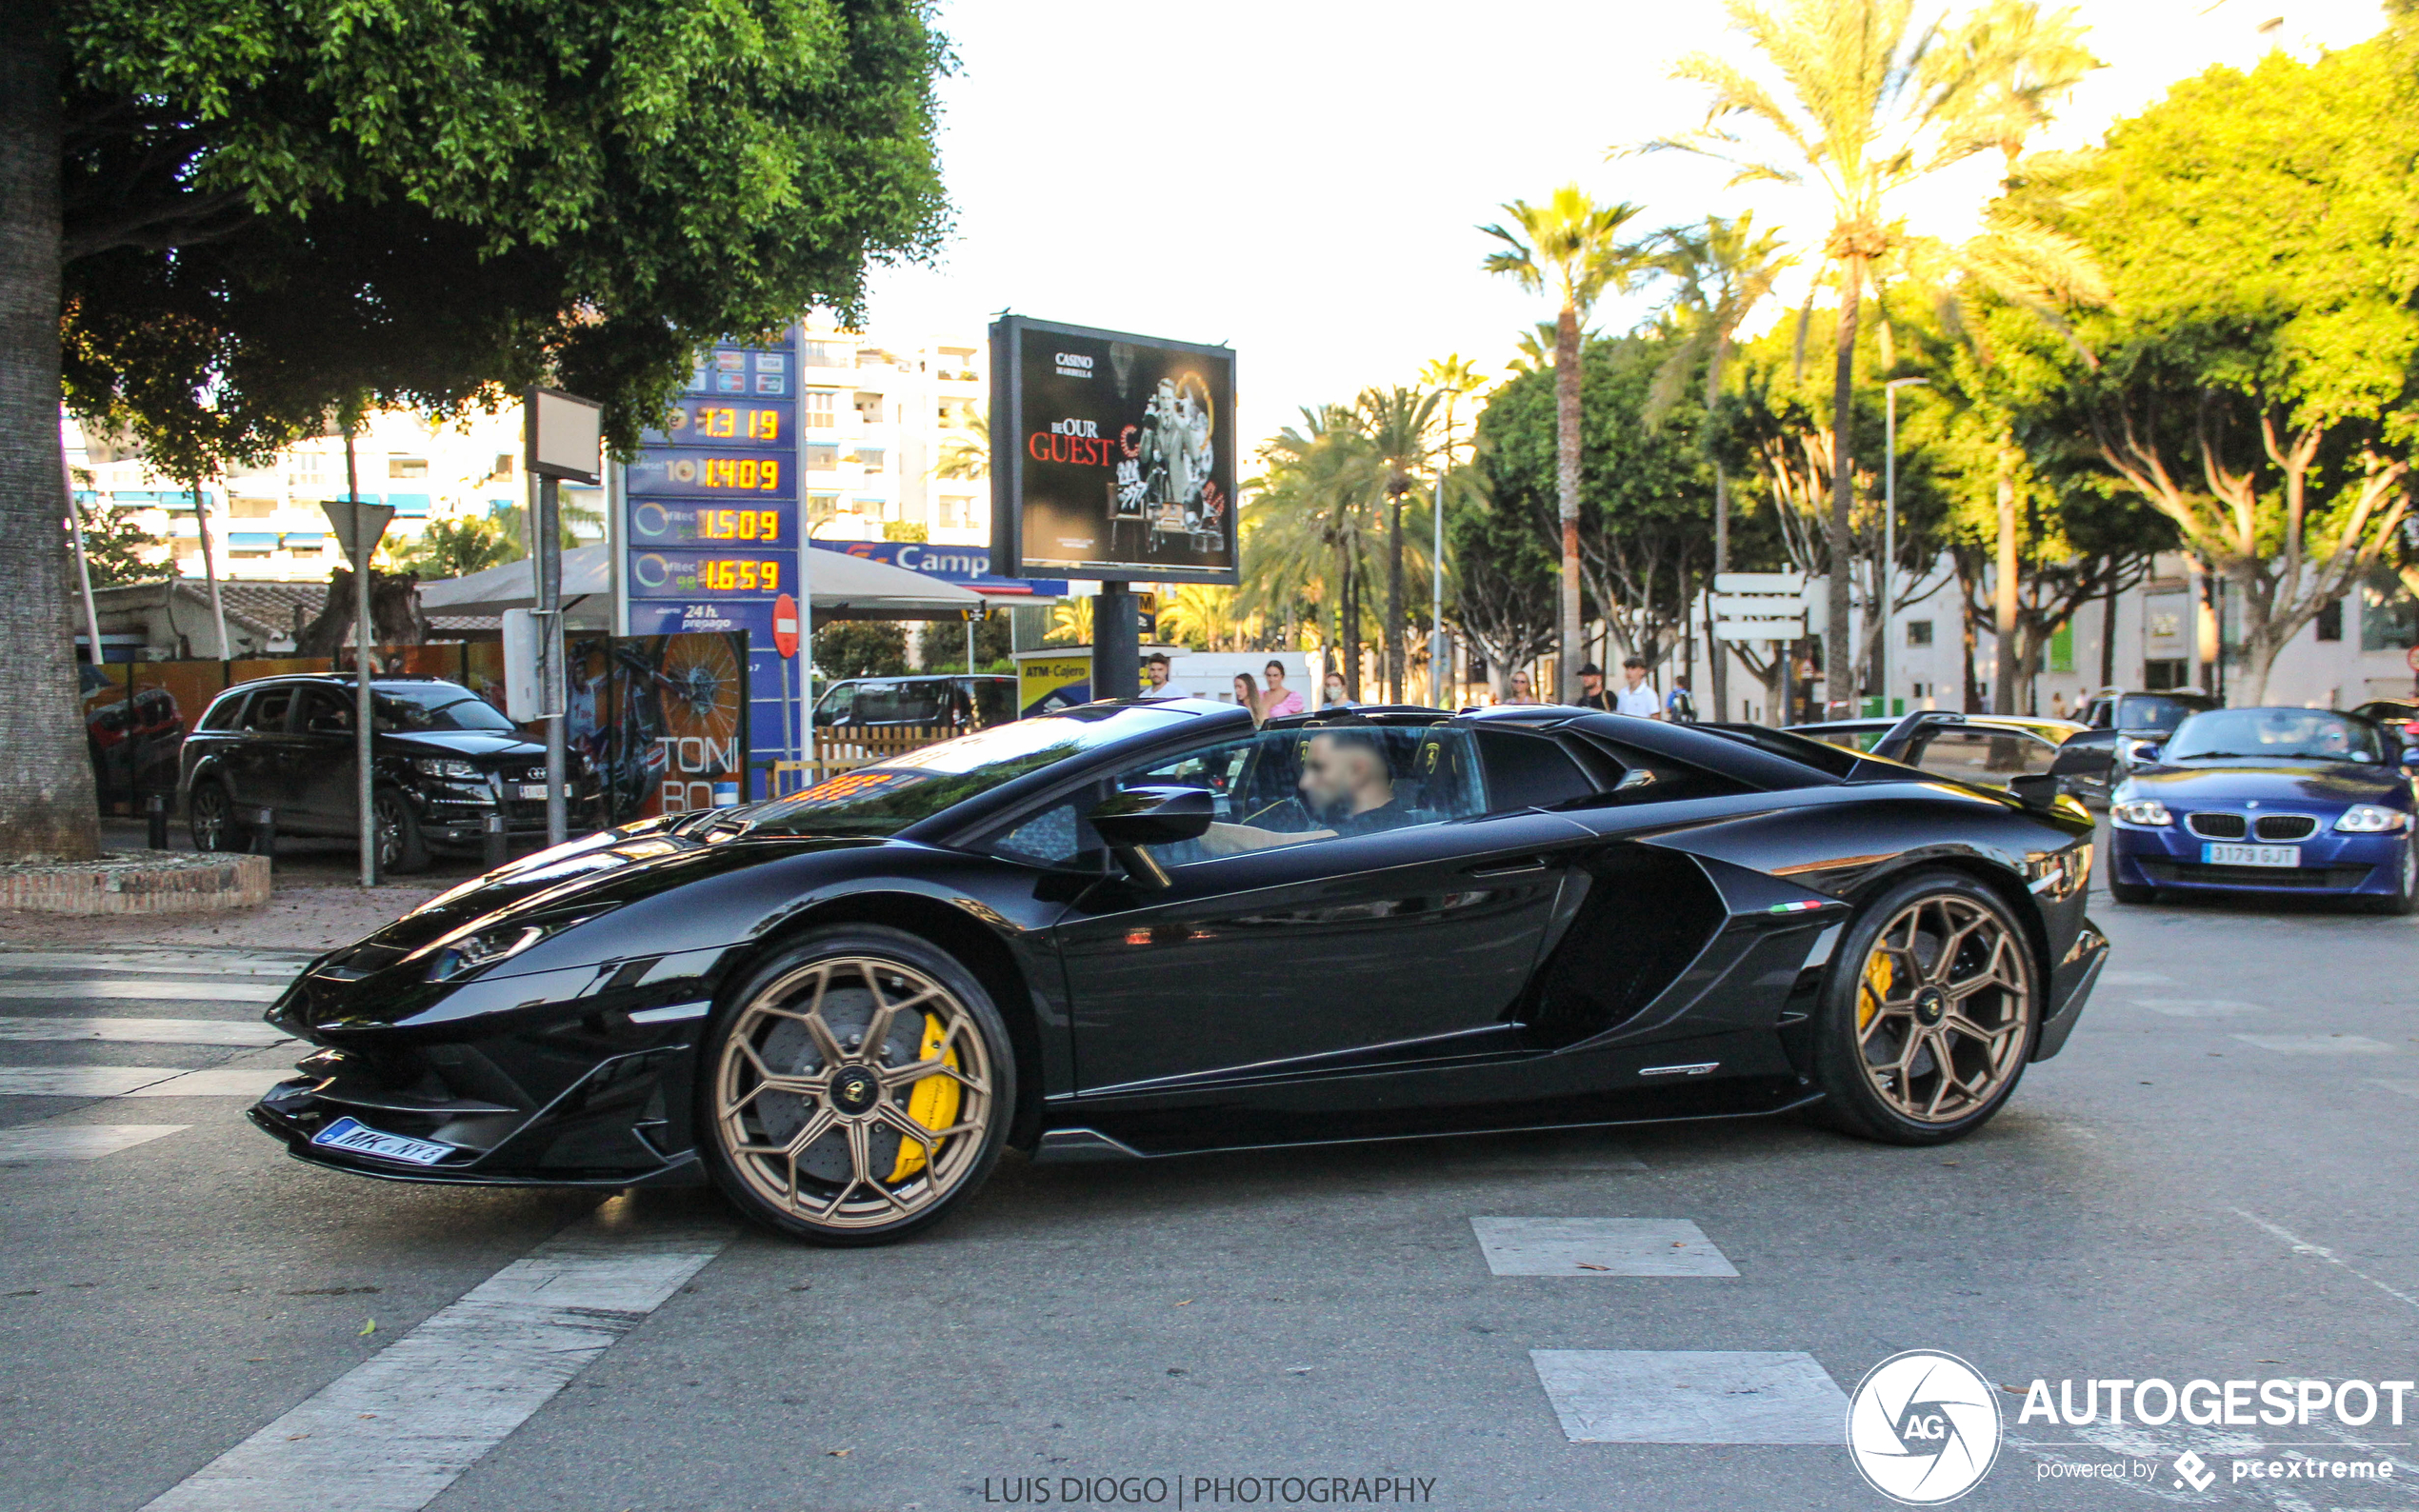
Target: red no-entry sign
[[785, 625]]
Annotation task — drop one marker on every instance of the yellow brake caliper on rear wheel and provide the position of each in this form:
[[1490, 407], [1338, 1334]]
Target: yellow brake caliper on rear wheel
[[1874, 990], [931, 1101]]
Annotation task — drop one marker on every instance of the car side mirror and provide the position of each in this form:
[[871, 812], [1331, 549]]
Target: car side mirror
[[2083, 756], [2141, 750], [2033, 789], [1137, 817]]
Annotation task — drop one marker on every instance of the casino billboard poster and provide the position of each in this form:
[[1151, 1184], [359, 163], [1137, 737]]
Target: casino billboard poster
[[1114, 458]]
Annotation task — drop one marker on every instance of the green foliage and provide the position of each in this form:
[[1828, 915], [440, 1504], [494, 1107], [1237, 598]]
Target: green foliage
[[273, 212], [860, 648], [114, 547], [452, 549]]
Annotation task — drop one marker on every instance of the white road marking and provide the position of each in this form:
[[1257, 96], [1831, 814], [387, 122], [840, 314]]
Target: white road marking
[[145, 1031], [1598, 1246], [2197, 1007], [2302, 1247], [2135, 979], [138, 1080], [195, 963], [1645, 1396], [393, 1432], [2318, 1043], [77, 1141], [2405, 1088], [51, 990]]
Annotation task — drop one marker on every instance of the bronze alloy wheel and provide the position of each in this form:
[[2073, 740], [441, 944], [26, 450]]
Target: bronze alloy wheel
[[1942, 1008], [854, 1092]]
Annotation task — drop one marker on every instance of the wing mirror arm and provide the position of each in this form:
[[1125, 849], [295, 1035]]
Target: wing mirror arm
[[1131, 821]]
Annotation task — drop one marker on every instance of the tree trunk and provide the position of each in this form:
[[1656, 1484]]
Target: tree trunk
[[1973, 689], [2005, 666], [49, 808], [1717, 655], [1838, 660], [2108, 633], [1394, 608], [1353, 631], [1566, 657]]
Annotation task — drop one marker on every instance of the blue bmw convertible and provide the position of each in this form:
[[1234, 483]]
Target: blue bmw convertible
[[2269, 800]]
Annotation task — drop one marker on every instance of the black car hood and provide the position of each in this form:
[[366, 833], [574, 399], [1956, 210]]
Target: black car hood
[[476, 745], [2287, 781]]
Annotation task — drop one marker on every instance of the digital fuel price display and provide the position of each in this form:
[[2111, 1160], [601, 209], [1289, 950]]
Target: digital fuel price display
[[654, 523], [707, 574], [727, 424], [704, 474]]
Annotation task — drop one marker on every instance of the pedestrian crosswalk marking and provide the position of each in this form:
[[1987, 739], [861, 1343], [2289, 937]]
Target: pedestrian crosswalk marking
[[2318, 1043], [77, 1141], [137, 1080], [182, 963], [2198, 1007], [2405, 1088], [1598, 1246], [145, 1031], [1689, 1396], [393, 1432], [49, 989]]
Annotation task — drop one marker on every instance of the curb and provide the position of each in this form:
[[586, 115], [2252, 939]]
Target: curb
[[138, 881]]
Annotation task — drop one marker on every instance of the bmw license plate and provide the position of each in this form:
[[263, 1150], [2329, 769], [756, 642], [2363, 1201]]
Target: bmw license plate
[[2217, 855], [360, 1139], [531, 790]]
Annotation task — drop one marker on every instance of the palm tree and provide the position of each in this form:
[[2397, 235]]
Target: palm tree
[[966, 449], [1725, 269], [1397, 423], [1308, 530], [1452, 379], [1871, 104], [1568, 248]]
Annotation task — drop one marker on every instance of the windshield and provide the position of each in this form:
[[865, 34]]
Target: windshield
[[2148, 711], [2274, 734], [889, 795], [417, 707]]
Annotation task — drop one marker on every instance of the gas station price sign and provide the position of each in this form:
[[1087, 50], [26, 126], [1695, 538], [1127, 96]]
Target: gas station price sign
[[674, 522], [730, 425], [708, 474], [672, 574]]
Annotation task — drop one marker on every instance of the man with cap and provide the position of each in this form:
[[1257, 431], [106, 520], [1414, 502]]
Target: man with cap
[[1591, 688]]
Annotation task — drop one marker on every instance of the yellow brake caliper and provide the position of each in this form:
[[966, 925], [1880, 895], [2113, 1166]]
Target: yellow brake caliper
[[931, 1101], [1874, 989]]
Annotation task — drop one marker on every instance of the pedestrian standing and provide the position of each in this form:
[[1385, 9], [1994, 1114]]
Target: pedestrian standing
[[1591, 688], [1248, 694], [1681, 707], [1521, 691], [1279, 700], [1637, 696], [1157, 669], [1334, 696]]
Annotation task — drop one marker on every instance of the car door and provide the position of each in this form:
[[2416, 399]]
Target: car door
[[326, 758], [1350, 947], [256, 763]]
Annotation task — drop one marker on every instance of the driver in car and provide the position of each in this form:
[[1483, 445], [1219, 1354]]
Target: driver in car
[[1345, 779]]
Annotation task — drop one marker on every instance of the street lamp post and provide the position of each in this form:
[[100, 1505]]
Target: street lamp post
[[1890, 518]]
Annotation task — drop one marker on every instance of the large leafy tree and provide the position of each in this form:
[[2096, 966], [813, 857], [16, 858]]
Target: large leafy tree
[[1571, 250], [1398, 426], [244, 216], [2255, 376], [1311, 529], [1865, 99]]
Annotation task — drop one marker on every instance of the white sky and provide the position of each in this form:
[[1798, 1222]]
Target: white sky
[[1303, 179]]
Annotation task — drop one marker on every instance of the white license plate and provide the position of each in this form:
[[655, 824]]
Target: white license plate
[[359, 1138], [531, 790], [2217, 855]]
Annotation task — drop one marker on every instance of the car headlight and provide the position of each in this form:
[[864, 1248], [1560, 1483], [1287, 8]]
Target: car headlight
[[2370, 819], [460, 771], [2140, 811], [485, 948]]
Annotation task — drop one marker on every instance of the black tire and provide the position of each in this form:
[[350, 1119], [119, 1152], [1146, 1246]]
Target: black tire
[[209, 818], [1997, 996], [759, 1140], [2406, 894], [401, 847], [2128, 893]]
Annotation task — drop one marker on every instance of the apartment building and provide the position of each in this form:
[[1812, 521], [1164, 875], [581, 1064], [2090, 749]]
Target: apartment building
[[876, 411]]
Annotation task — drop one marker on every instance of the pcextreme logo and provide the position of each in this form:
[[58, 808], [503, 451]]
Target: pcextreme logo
[[1923, 1428]]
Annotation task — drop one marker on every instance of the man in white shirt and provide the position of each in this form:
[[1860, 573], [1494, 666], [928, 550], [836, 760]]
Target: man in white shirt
[[1155, 673], [1637, 696]]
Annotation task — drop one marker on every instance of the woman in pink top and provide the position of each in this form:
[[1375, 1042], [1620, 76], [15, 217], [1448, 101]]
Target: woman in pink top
[[1279, 700]]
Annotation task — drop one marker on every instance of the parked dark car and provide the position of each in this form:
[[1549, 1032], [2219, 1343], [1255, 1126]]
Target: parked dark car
[[2398, 713], [928, 703], [2269, 800], [443, 760], [2123, 722], [1138, 929]]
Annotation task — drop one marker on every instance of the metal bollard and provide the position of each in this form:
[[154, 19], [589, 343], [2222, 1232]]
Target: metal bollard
[[156, 808], [498, 852], [264, 832]]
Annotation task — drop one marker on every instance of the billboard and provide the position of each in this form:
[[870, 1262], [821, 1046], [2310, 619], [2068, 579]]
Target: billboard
[[1113, 456]]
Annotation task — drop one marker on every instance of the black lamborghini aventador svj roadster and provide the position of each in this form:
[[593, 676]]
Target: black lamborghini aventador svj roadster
[[1140, 929]]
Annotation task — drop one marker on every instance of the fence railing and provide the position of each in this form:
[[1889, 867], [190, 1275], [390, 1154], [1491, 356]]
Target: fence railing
[[842, 750]]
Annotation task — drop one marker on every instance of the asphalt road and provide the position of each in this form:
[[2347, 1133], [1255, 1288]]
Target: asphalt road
[[2214, 1181]]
